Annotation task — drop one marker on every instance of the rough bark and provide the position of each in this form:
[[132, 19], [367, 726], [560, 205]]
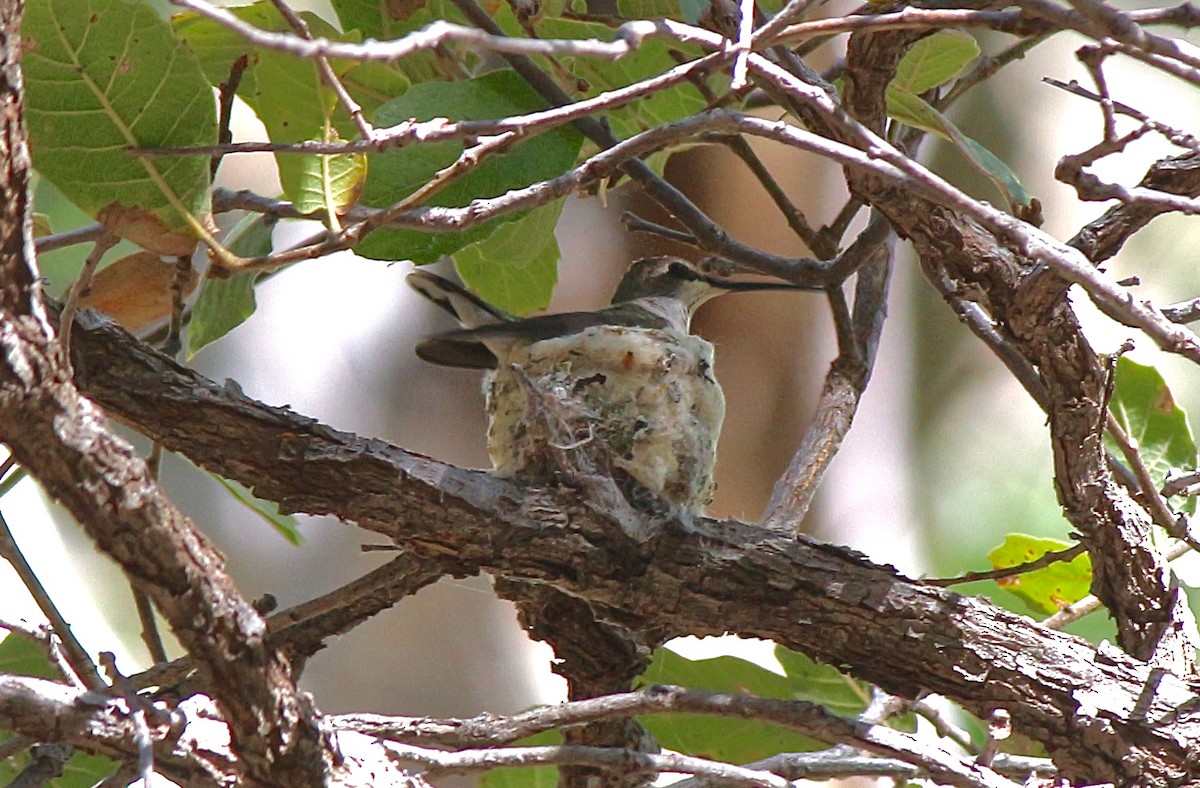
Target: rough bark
[[65, 442], [1101, 713]]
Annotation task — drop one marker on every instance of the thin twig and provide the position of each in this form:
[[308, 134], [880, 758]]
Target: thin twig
[[636, 224], [741, 45], [327, 74], [736, 143], [139, 712], [227, 92], [805, 271], [1180, 483], [80, 235], [81, 287], [438, 763], [1122, 33], [985, 68], [440, 129], [1090, 604], [45, 637], [1158, 509], [81, 663], [1041, 562], [141, 600], [712, 238], [436, 34], [1182, 312], [795, 490], [808, 718], [1070, 264], [1176, 136], [942, 725]]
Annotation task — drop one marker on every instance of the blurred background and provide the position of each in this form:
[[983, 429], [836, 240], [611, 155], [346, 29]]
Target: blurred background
[[947, 453]]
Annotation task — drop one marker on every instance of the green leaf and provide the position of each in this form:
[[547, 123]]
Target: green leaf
[[395, 18], [224, 304], [106, 75], [659, 9], [652, 57], [526, 776], [395, 174], [284, 524], [288, 93], [1047, 590], [371, 17], [935, 60], [906, 107], [20, 656], [1143, 405], [740, 741], [83, 770], [516, 267], [817, 682]]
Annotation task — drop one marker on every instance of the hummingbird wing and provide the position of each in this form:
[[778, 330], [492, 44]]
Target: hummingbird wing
[[466, 307], [472, 347], [446, 351]]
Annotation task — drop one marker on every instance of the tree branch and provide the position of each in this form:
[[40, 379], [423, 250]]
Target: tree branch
[[711, 578]]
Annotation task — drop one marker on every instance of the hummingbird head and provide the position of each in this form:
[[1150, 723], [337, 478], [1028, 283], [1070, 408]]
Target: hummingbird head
[[683, 281]]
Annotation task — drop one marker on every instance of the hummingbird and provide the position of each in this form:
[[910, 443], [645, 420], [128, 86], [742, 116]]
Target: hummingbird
[[625, 393]]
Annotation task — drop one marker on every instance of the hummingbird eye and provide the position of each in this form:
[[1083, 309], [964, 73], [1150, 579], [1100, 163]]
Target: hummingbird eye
[[681, 270]]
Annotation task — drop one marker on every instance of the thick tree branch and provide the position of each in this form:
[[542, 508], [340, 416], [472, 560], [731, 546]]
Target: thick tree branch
[[1028, 299], [712, 578], [65, 442]]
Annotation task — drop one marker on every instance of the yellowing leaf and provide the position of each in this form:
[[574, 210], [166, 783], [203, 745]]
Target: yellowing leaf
[[1051, 588]]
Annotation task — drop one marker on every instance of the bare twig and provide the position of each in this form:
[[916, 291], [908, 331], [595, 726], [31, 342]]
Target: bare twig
[[436, 34], [804, 271], [1041, 562], [712, 238], [1183, 312], [139, 712], [999, 729], [985, 68], [1148, 493], [327, 74], [1115, 301], [1174, 135], [796, 489], [44, 636], [80, 235], [742, 44], [1183, 483], [636, 224], [808, 718], [81, 663], [1090, 604], [227, 92], [83, 284], [439, 129], [1122, 33]]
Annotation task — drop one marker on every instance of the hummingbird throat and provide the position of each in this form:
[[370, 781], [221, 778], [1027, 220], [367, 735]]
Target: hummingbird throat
[[638, 405]]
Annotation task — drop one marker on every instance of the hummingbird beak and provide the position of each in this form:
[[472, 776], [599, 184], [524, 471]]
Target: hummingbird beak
[[732, 286], [719, 279]]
